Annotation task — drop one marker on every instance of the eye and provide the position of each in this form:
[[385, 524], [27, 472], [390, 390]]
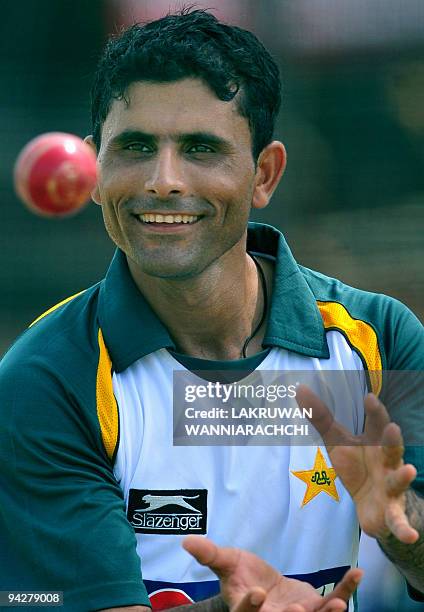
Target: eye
[[140, 147], [200, 148]]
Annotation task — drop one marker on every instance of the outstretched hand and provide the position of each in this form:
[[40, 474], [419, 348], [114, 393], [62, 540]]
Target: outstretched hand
[[370, 466], [249, 584]]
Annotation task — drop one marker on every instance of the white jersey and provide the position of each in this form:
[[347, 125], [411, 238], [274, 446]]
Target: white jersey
[[247, 496]]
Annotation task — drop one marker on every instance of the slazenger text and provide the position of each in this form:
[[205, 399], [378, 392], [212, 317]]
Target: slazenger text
[[166, 521]]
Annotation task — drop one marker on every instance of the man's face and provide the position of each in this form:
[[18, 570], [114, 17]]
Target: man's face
[[175, 153]]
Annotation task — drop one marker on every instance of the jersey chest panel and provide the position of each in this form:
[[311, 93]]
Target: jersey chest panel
[[254, 500]]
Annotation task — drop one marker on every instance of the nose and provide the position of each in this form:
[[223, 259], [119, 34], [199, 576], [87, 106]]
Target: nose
[[166, 176]]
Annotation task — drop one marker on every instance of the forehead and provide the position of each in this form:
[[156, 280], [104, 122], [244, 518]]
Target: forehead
[[184, 106]]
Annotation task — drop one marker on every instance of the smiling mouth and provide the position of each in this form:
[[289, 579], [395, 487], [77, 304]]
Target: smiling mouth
[[168, 219]]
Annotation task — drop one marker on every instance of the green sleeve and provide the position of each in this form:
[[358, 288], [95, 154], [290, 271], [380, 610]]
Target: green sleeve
[[404, 338], [62, 514], [403, 390]]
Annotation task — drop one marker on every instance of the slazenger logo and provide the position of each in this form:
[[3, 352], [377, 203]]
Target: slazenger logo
[[180, 511], [159, 501]]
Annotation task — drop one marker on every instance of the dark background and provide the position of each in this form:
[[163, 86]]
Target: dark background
[[350, 203]]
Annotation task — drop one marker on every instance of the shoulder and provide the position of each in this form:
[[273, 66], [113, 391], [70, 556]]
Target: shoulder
[[58, 336], [398, 332], [51, 373]]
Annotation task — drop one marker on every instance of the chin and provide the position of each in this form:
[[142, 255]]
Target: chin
[[177, 264], [169, 269]]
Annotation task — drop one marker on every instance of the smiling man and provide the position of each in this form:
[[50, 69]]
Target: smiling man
[[177, 180], [95, 499]]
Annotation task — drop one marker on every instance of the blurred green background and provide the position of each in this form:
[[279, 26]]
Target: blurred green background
[[351, 201]]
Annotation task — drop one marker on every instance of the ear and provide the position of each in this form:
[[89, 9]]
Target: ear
[[270, 167], [95, 194]]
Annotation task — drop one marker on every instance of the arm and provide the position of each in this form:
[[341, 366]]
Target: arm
[[63, 525], [403, 395], [409, 558], [371, 468]]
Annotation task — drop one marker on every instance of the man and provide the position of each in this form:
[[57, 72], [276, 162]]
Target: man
[[183, 115]]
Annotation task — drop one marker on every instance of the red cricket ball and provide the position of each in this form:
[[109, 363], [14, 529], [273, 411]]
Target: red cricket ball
[[55, 174]]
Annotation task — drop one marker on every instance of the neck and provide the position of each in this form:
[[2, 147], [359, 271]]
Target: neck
[[210, 315]]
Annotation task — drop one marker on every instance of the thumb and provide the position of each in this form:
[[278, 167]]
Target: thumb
[[220, 560]]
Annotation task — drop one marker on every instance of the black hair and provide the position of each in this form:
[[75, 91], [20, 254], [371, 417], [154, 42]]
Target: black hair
[[192, 43]]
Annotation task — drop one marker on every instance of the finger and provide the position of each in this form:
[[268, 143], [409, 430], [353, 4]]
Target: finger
[[219, 559], [330, 431], [392, 446], [347, 585], [376, 420], [398, 481], [251, 602], [397, 522], [333, 605], [294, 608]]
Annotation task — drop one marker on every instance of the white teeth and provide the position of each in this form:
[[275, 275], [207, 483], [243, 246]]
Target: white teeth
[[153, 218]]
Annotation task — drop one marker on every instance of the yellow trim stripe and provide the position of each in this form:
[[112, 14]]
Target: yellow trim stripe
[[53, 308], [107, 408], [361, 336]]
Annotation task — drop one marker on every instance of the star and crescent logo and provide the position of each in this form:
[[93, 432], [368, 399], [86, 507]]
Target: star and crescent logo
[[320, 479]]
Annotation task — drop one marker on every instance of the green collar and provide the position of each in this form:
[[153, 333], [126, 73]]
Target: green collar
[[132, 330]]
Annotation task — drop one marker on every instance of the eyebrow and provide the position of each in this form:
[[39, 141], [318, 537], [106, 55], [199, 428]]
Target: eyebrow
[[207, 138]]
